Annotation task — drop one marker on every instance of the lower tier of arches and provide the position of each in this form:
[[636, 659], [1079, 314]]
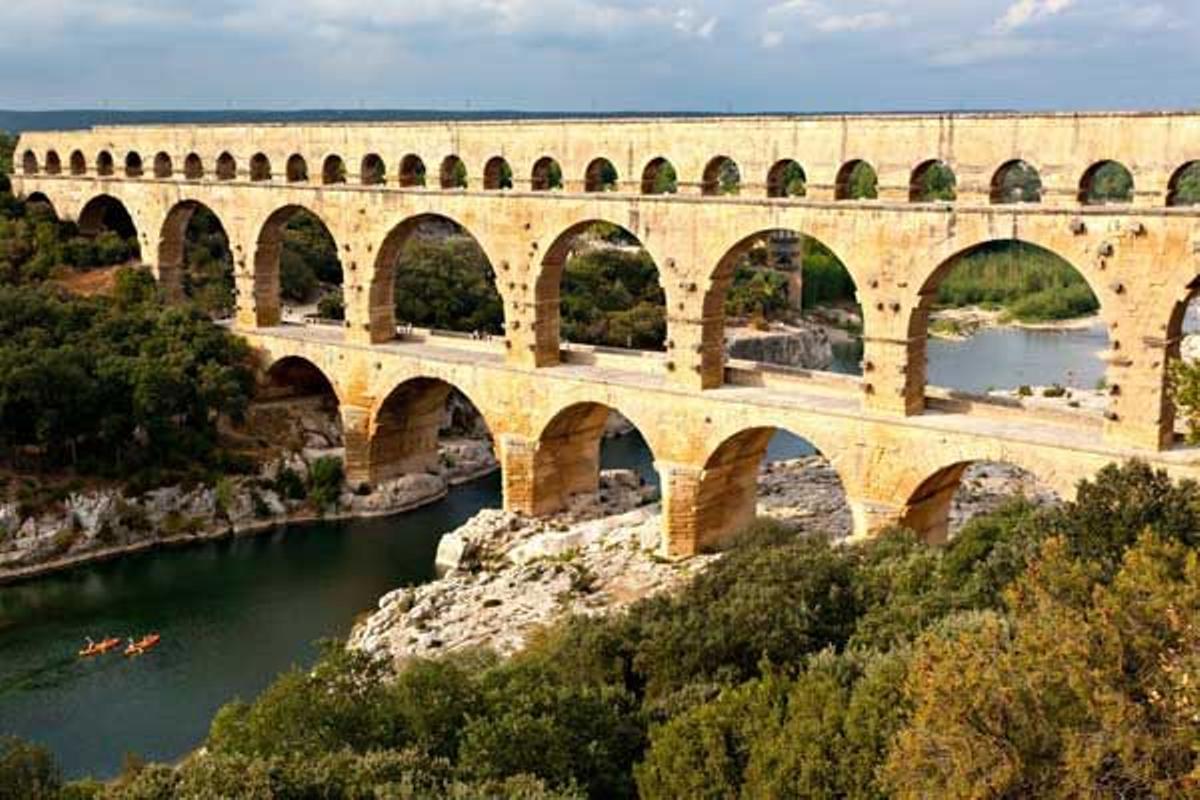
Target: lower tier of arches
[[707, 448]]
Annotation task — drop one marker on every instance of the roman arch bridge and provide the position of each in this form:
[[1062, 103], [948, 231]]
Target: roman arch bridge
[[898, 445]]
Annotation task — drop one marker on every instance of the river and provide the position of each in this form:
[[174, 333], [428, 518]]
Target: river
[[235, 614]]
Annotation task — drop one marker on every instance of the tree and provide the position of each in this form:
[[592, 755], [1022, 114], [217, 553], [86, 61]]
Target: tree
[[1086, 689], [27, 772]]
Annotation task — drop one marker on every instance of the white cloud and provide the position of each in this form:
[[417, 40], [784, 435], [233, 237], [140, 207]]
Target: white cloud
[[1023, 12], [814, 15], [873, 20], [771, 40]]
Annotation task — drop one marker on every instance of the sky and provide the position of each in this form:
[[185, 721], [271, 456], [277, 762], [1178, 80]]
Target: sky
[[601, 55]]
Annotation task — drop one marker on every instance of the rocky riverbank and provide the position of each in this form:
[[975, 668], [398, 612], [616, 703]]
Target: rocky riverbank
[[103, 523], [958, 324], [508, 575]]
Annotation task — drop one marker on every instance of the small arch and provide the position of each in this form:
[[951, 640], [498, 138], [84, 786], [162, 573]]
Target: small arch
[[454, 173], [1016, 182], [297, 169], [497, 175], [104, 164], [410, 424], [78, 163], [133, 165], [933, 182], [569, 456], [547, 175], [260, 167], [193, 167], [660, 177], [412, 171], [1184, 188], [372, 171], [53, 163], [226, 167], [1105, 183], [722, 176], [857, 180], [432, 273], [787, 179], [163, 168], [333, 170], [601, 176], [29, 163]]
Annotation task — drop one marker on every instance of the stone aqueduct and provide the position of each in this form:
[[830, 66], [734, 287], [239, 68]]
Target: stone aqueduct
[[898, 446]]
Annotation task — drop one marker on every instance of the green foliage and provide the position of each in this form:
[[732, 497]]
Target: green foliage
[[208, 278], [1185, 393], [1108, 183], [1119, 504], [332, 306], [447, 284], [1186, 191], [936, 183], [1082, 690], [27, 772], [114, 385], [35, 246], [562, 732], [8, 145], [757, 293], [1031, 283], [325, 479], [308, 258], [289, 485], [792, 181], [612, 296], [1018, 182], [666, 180], [862, 183], [826, 279]]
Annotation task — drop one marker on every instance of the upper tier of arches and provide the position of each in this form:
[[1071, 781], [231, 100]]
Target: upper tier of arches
[[1103, 182]]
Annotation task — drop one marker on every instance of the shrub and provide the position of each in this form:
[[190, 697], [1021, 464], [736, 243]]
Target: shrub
[[325, 479], [27, 772]]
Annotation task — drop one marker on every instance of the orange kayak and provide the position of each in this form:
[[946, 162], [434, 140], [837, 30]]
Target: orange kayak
[[98, 648], [143, 645]]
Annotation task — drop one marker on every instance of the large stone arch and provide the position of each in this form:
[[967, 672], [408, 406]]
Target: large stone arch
[[927, 489], [172, 244], [725, 497], [725, 255], [405, 423], [547, 288], [925, 289], [291, 374], [268, 247], [111, 211], [566, 455], [381, 292]]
